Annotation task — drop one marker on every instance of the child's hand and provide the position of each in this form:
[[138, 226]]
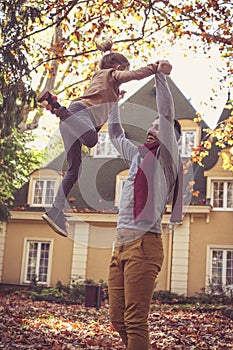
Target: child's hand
[[164, 66]]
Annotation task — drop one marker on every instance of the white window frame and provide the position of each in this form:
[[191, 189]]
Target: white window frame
[[120, 179], [183, 132], [27, 241], [45, 181], [210, 248], [43, 175], [210, 191], [107, 141]]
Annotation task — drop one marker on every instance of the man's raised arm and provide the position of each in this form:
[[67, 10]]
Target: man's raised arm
[[117, 136], [165, 106]]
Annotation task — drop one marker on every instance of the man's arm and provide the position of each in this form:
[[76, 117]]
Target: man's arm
[[165, 106], [169, 146], [117, 136]]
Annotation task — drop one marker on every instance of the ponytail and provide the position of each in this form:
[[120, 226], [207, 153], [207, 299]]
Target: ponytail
[[110, 59], [104, 45]]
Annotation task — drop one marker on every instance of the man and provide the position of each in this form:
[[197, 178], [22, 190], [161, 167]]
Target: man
[[138, 254]]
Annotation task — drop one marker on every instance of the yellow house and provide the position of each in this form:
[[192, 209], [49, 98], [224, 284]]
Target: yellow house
[[199, 252]]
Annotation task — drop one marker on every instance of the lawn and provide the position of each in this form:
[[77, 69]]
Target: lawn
[[27, 324]]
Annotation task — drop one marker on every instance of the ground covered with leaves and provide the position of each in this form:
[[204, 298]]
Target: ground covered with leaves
[[27, 324]]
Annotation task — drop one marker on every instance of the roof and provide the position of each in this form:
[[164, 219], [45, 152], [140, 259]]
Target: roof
[[96, 186], [226, 111]]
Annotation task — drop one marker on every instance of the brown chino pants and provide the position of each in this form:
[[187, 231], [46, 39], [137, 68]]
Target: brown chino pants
[[133, 269]]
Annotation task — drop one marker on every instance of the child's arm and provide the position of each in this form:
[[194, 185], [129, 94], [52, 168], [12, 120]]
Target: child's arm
[[138, 74]]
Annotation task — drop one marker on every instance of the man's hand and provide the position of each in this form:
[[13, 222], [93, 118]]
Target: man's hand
[[121, 94], [164, 66]]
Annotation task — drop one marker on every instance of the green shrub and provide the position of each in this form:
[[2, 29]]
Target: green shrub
[[167, 297], [71, 294], [48, 294], [208, 296], [74, 293]]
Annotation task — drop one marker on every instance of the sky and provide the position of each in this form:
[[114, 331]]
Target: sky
[[196, 75]]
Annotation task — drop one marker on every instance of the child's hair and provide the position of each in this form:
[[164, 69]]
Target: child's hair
[[110, 59]]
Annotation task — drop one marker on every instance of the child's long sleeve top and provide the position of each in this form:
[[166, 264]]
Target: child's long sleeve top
[[103, 90]]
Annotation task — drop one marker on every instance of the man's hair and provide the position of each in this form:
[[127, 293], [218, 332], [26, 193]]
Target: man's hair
[[177, 127]]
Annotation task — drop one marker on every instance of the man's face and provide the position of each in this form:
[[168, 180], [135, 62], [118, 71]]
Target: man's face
[[152, 133]]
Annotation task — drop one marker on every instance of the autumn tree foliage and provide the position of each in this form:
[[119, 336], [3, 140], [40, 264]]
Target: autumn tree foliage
[[54, 41], [221, 136], [59, 37]]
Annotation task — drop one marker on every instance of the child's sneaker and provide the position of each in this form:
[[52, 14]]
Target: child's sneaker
[[49, 101], [57, 221]]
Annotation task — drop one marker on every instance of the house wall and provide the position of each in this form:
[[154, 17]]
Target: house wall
[[17, 230], [87, 251], [163, 279], [180, 257], [80, 236], [217, 230], [100, 249]]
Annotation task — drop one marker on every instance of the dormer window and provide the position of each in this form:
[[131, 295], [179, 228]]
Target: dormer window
[[190, 137], [219, 187], [104, 147], [43, 191], [222, 194], [120, 181], [187, 142], [43, 187]]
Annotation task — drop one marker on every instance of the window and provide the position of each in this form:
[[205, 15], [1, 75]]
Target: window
[[120, 188], [43, 192], [222, 194], [37, 261], [104, 147], [120, 181], [187, 141], [221, 268], [43, 187]]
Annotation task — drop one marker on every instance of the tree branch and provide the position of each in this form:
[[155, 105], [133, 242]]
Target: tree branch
[[56, 23]]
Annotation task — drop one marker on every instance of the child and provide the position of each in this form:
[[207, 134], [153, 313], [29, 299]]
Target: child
[[80, 123]]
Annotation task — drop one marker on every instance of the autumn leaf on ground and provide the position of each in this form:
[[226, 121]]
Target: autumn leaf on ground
[[27, 324]]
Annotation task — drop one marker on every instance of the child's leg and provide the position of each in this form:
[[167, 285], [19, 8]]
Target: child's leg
[[55, 217], [48, 101], [76, 121], [74, 160], [76, 129]]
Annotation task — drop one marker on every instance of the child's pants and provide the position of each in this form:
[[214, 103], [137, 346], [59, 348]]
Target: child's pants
[[133, 269], [76, 128]]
